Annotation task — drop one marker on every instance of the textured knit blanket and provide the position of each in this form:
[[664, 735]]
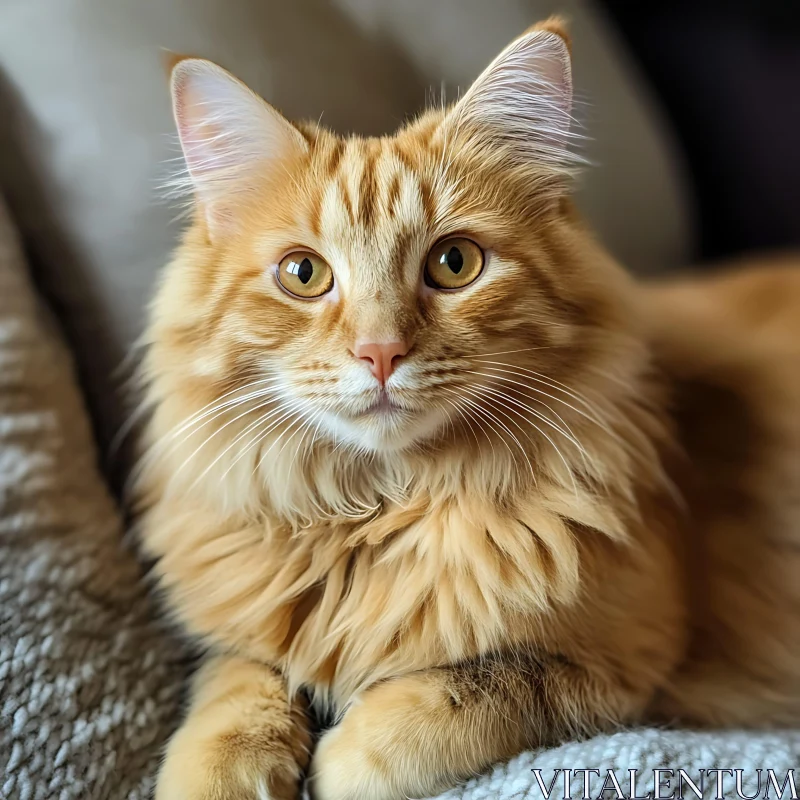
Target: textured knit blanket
[[90, 682], [89, 688], [710, 762]]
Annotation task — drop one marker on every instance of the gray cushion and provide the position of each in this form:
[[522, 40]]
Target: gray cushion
[[89, 683]]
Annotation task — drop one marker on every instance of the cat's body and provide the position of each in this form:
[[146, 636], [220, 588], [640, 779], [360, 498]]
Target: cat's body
[[573, 504], [730, 347]]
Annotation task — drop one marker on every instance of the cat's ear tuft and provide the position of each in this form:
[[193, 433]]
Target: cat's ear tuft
[[522, 102], [228, 134], [170, 59], [557, 25]]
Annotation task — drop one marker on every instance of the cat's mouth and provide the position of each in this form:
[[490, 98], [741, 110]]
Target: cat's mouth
[[384, 422], [384, 405]]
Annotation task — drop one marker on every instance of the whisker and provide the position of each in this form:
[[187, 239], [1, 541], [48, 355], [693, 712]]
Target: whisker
[[556, 386], [547, 380], [213, 410], [217, 431], [269, 449], [286, 410], [520, 350], [567, 434], [467, 418], [466, 408], [450, 428], [608, 419], [321, 418], [505, 427], [483, 390], [566, 431], [168, 443], [253, 425], [305, 427]]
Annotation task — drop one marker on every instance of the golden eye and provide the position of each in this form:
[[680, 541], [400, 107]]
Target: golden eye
[[305, 274], [453, 263]]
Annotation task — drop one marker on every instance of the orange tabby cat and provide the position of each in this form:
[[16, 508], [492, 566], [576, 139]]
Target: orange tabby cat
[[421, 449]]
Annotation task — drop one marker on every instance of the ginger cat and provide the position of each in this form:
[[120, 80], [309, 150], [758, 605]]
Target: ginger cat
[[424, 458]]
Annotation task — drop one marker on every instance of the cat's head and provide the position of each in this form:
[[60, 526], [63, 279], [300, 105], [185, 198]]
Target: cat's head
[[382, 293]]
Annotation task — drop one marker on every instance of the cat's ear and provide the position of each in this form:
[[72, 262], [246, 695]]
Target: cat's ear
[[522, 102], [228, 134]]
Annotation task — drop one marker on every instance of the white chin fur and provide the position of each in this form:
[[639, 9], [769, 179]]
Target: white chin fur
[[383, 433]]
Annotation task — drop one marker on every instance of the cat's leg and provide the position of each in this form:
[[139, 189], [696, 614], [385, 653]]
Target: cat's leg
[[419, 734], [241, 740]]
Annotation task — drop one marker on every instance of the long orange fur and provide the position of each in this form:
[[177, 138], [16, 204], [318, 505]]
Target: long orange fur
[[586, 515]]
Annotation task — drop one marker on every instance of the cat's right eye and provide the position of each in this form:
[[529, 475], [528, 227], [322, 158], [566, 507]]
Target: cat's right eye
[[305, 274]]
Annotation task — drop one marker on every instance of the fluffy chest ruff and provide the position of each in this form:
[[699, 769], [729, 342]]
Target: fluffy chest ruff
[[434, 577]]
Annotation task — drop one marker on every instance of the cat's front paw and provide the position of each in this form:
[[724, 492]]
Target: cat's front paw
[[385, 747], [346, 767], [234, 767]]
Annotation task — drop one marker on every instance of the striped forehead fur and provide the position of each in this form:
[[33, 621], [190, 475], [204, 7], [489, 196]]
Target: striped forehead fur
[[518, 109]]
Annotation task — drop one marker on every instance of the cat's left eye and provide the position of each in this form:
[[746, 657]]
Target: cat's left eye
[[305, 274], [453, 263]]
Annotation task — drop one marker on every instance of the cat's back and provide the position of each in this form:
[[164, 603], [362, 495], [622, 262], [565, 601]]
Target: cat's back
[[756, 300], [728, 347]]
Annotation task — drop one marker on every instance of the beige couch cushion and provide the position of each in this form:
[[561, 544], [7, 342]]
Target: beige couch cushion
[[87, 127]]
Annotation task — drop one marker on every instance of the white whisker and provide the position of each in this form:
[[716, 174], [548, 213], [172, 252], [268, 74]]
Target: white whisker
[[591, 409], [570, 472], [483, 410]]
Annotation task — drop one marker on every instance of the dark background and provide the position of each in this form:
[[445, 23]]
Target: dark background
[[728, 78]]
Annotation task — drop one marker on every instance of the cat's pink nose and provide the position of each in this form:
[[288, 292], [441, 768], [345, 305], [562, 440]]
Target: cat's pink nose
[[381, 357]]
